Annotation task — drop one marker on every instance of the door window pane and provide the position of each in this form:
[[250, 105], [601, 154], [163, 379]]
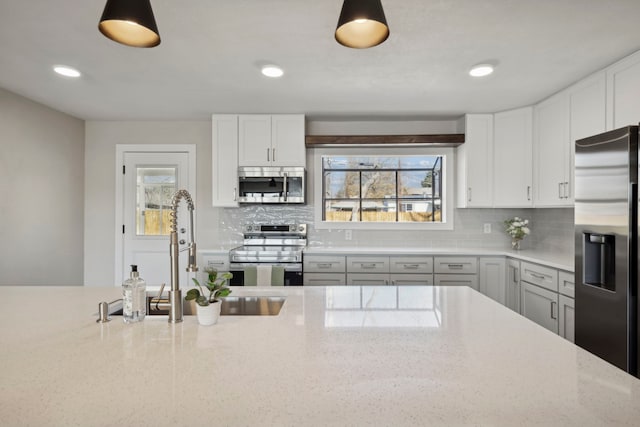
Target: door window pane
[[155, 188]]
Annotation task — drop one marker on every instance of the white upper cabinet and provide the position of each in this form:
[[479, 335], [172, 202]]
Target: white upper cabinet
[[224, 160], [574, 113], [623, 87], [512, 168], [588, 107], [552, 152], [474, 161], [271, 140]]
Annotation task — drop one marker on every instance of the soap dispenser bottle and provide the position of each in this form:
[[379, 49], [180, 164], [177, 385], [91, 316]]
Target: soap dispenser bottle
[[134, 297]]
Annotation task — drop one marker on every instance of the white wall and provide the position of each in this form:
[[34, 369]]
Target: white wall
[[41, 194]]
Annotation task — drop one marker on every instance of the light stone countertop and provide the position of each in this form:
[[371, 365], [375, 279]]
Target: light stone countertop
[[561, 261], [333, 356]]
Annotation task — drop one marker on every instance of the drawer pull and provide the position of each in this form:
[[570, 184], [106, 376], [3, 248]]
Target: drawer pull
[[368, 266], [455, 266], [411, 266], [325, 265], [538, 276]]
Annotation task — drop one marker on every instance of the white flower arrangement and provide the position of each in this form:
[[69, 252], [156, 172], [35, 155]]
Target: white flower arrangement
[[517, 228]]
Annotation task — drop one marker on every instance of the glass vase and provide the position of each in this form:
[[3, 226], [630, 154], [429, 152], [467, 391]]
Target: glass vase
[[515, 244]]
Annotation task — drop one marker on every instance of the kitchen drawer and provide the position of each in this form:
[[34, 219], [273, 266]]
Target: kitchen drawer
[[566, 283], [324, 279], [411, 279], [367, 264], [411, 264], [470, 280], [456, 265], [323, 264], [367, 279], [538, 275]]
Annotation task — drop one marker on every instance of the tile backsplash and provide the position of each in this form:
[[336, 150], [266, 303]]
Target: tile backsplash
[[551, 229]]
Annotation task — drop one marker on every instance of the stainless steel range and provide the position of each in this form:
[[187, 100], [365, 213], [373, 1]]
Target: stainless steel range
[[271, 244]]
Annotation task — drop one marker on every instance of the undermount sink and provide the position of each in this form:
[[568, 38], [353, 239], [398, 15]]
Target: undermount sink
[[231, 306]]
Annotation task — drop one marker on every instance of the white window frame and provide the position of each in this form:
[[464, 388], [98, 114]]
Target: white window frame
[[447, 187]]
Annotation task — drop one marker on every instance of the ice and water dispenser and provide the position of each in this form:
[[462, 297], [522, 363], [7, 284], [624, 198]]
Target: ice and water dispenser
[[598, 266]]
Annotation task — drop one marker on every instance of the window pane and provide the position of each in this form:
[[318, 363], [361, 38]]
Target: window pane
[[342, 210], [415, 184], [378, 184], [341, 185], [379, 210], [155, 187], [419, 211]]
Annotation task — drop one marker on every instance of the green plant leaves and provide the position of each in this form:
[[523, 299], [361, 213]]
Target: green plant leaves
[[192, 294]]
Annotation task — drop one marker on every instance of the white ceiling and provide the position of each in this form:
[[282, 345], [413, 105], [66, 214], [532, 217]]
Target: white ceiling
[[208, 61]]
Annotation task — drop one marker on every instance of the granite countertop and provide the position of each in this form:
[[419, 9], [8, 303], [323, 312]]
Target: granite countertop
[[333, 356]]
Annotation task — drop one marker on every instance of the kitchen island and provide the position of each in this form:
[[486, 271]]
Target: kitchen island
[[333, 356]]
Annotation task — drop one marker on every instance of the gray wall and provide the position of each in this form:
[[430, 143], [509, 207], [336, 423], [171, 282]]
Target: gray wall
[[41, 194], [100, 162]]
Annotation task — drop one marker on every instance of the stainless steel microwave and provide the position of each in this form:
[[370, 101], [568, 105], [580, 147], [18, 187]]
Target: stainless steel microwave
[[268, 184]]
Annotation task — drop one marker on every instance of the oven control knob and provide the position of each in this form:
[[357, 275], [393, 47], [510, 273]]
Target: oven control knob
[[301, 228], [249, 228]]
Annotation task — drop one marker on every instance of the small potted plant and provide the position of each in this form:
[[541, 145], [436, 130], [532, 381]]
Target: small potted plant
[[208, 308]]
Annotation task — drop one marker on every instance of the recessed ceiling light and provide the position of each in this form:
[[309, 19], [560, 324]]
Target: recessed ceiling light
[[272, 71], [481, 70], [66, 71]]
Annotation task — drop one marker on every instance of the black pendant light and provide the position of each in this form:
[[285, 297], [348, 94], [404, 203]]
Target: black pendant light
[[130, 22], [362, 24]]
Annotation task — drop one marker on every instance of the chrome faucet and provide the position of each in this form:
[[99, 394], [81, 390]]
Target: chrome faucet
[[175, 294]]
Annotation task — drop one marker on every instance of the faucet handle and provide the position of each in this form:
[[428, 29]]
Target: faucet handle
[[161, 290]]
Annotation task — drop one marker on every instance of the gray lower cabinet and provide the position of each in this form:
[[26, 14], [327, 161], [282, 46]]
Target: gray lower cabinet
[[513, 285], [411, 279], [367, 279], [566, 318], [493, 279], [324, 270], [455, 271], [324, 279], [540, 305], [566, 305], [470, 280]]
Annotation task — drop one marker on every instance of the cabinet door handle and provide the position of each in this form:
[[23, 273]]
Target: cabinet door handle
[[528, 192], [268, 150], [386, 282], [515, 275], [553, 315], [566, 190], [469, 199], [560, 191], [235, 194], [273, 154]]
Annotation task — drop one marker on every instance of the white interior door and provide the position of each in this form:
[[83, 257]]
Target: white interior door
[[149, 181]]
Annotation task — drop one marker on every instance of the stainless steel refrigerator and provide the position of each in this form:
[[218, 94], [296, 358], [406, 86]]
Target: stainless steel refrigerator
[[606, 246]]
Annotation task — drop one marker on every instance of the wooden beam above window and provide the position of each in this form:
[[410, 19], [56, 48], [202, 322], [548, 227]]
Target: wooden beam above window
[[448, 140]]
